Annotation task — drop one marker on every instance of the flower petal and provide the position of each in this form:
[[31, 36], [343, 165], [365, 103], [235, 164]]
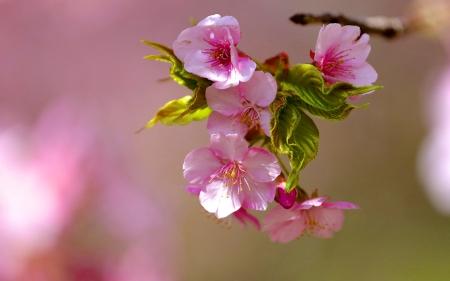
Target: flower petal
[[261, 165], [197, 62], [231, 147], [192, 189], [366, 75], [216, 199], [284, 225], [260, 89], [327, 221], [258, 194], [246, 68], [329, 37], [308, 204], [340, 205], [264, 120], [228, 21], [190, 40], [200, 164], [228, 125], [226, 101], [243, 216]]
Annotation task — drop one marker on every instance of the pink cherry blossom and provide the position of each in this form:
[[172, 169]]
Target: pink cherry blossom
[[239, 108], [232, 175], [313, 216], [341, 57], [209, 50], [241, 214]]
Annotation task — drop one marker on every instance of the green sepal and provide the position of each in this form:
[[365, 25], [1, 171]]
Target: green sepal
[[177, 112], [295, 134], [307, 82], [177, 71]]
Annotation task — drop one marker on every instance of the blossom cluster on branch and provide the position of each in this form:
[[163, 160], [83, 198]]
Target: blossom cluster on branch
[[257, 111]]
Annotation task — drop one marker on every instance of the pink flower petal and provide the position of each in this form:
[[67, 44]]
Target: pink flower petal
[[226, 101], [231, 147], [258, 195], [340, 205], [327, 221], [228, 21], [193, 189], [199, 165], [264, 120], [227, 125], [243, 216], [195, 62], [190, 40], [260, 89], [308, 204], [329, 36], [261, 165], [216, 199], [246, 68], [366, 75]]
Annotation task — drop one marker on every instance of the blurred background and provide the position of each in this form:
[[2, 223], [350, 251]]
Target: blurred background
[[82, 197]]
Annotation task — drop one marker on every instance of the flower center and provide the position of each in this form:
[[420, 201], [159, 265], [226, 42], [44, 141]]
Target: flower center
[[231, 174], [219, 53], [247, 115], [337, 64]]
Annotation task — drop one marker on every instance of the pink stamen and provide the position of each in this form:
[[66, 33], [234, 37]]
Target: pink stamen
[[336, 64], [219, 53]]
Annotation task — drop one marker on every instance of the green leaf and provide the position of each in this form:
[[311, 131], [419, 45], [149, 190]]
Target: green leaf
[[304, 144], [338, 114], [177, 71], [295, 134], [197, 102], [170, 113], [307, 82]]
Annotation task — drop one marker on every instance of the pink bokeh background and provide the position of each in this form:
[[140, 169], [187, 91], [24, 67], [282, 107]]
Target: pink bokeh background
[[85, 198]]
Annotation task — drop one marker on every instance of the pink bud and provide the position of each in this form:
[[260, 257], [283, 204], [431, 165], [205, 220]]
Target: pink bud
[[286, 200]]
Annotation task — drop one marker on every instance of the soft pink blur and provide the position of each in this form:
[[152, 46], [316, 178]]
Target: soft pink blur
[[64, 187]]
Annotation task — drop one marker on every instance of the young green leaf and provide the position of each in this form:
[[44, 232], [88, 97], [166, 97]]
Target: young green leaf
[[177, 71], [295, 134], [170, 113]]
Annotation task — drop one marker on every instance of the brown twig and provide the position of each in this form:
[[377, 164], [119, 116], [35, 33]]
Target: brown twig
[[388, 28]]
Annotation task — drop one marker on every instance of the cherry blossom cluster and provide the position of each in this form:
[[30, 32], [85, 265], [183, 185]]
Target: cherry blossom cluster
[[257, 111]]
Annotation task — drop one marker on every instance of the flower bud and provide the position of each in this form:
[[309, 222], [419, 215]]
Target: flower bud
[[286, 200]]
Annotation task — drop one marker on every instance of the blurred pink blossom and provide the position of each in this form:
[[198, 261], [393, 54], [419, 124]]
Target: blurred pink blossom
[[63, 186], [434, 155]]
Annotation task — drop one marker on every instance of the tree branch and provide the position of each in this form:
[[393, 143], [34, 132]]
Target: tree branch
[[388, 28]]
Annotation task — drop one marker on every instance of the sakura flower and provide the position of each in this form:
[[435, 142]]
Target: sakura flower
[[209, 50], [241, 215], [232, 175], [341, 56], [313, 216], [239, 108]]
